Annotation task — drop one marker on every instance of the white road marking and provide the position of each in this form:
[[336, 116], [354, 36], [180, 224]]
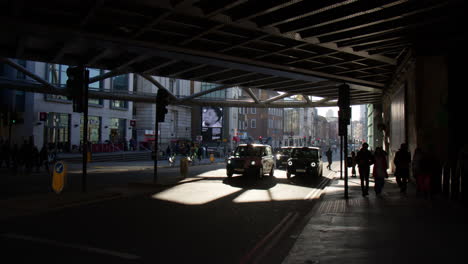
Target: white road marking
[[73, 246], [312, 194]]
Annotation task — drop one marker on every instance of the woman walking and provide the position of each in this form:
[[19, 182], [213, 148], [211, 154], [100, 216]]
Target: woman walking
[[380, 170]]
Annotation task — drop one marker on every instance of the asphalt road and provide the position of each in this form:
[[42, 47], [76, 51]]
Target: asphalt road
[[212, 220]]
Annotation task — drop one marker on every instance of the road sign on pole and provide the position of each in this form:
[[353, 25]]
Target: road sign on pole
[[59, 176]]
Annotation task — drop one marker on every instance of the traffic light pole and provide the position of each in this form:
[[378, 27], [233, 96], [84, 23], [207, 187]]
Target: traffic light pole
[[341, 157], [156, 128], [344, 116], [346, 162], [85, 133]]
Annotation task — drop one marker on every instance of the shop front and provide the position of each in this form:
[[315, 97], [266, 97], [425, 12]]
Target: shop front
[[57, 131]]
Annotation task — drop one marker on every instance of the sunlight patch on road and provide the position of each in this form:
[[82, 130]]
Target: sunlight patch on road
[[196, 193], [213, 173], [281, 192]]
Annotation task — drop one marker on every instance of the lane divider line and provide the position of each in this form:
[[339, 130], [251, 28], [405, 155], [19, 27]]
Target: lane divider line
[[276, 238], [122, 255], [249, 255]]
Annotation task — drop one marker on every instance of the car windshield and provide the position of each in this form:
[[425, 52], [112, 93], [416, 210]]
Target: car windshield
[[305, 153], [285, 151], [248, 151]]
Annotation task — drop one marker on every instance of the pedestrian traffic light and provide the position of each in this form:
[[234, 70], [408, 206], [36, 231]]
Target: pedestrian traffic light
[[77, 85], [162, 101], [13, 118]]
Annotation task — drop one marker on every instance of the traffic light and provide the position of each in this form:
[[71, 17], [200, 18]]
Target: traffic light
[[162, 100], [16, 118], [77, 84], [343, 96]]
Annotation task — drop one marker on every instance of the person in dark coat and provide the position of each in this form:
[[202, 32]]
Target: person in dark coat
[[43, 157], [364, 159], [329, 154], [380, 170], [402, 163], [35, 159], [4, 153]]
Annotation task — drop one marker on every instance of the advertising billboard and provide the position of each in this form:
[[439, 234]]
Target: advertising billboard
[[212, 123], [212, 117]]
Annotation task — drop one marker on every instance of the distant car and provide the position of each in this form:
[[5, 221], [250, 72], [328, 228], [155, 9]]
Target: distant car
[[305, 161], [251, 159], [282, 156]]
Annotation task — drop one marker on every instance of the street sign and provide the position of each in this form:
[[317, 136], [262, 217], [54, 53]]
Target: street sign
[[59, 176]]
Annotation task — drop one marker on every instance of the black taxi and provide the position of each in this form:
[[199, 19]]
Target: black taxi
[[282, 156], [305, 161], [251, 159]]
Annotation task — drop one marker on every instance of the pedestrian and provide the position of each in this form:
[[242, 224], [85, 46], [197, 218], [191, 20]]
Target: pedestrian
[[364, 159], [4, 154], [353, 164], [423, 174], [380, 170], [329, 154], [416, 167], [168, 151], [402, 163], [14, 157], [43, 157], [35, 158], [200, 153]]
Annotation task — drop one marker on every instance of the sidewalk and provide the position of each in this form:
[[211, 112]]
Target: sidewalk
[[395, 228]]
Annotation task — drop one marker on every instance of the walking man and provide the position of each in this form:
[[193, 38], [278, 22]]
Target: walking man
[[402, 162], [329, 154], [364, 160]]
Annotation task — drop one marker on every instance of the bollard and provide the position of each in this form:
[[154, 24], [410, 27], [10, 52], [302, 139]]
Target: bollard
[[183, 167], [212, 158]]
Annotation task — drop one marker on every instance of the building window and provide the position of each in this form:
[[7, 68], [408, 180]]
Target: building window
[[119, 84], [215, 94], [172, 84], [57, 75], [95, 86], [94, 129], [253, 123], [57, 131], [253, 110], [117, 130]]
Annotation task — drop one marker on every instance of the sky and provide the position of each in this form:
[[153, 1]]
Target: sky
[[355, 114]]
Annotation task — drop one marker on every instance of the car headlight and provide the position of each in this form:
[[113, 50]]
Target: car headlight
[[278, 156], [229, 161], [313, 164], [290, 163], [252, 162]]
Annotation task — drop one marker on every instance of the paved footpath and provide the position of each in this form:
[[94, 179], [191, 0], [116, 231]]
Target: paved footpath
[[394, 228]]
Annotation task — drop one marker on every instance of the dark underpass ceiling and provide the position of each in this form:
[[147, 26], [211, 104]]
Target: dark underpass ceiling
[[299, 47]]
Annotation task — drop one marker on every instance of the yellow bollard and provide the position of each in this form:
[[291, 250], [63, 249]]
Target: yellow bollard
[[183, 167], [59, 177], [212, 158]]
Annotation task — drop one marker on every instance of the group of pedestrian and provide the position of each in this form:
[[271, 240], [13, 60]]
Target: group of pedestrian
[[423, 165], [26, 157], [193, 151], [365, 158]]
